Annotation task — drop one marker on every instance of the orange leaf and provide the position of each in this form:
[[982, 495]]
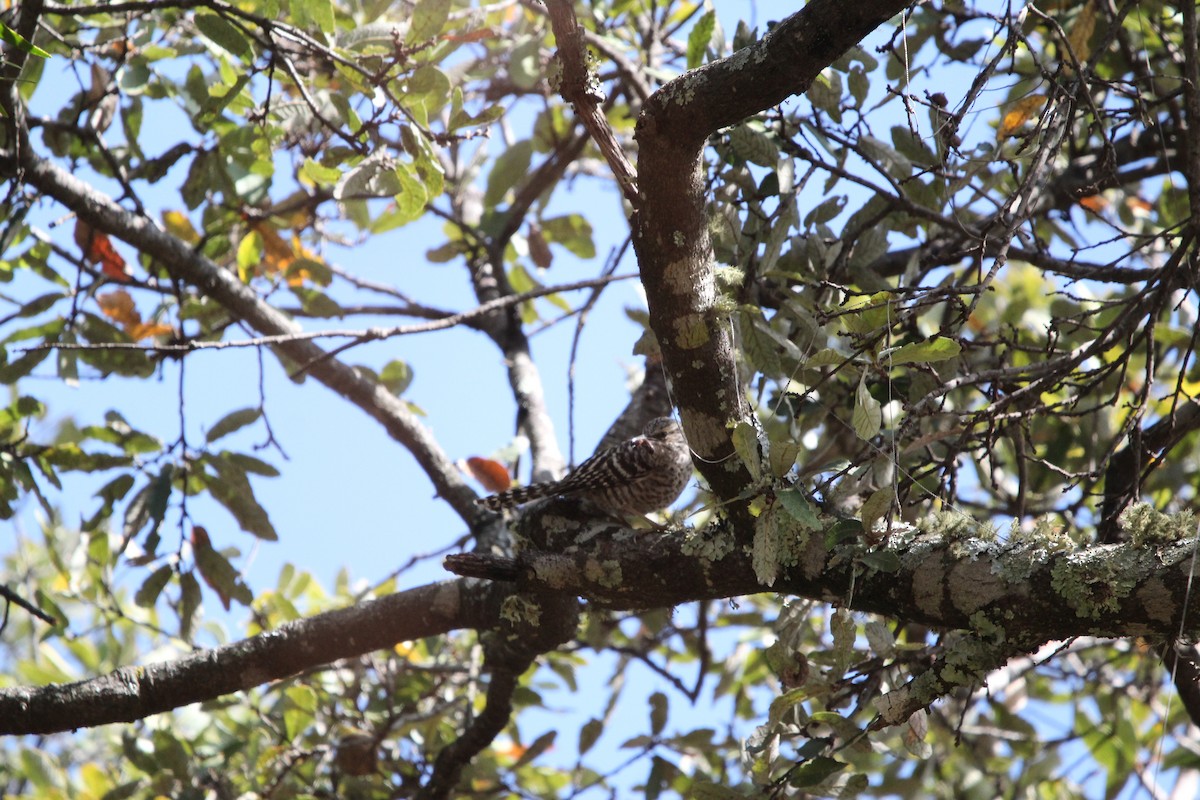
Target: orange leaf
[[472, 36], [1020, 114], [513, 750], [1138, 206], [492, 474], [118, 306], [98, 249], [297, 273], [277, 254]]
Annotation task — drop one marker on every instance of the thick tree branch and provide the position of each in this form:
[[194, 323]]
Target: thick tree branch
[[670, 228], [1033, 591], [133, 693], [1027, 592]]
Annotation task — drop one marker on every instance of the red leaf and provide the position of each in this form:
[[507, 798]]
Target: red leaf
[[98, 249], [492, 474]]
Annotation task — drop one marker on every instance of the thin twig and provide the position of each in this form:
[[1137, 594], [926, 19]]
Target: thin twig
[[361, 335]]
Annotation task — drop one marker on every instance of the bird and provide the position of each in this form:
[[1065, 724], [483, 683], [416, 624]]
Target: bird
[[637, 476]]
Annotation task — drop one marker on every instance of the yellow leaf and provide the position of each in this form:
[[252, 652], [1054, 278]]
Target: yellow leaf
[[148, 330], [179, 226]]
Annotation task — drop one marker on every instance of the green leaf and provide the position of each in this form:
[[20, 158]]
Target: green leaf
[[765, 550], [826, 211], [18, 41], [798, 508], [785, 702], [254, 466], [882, 561], [14, 370], [706, 790], [658, 713], [859, 84], [939, 348], [538, 746], [745, 443], [313, 12], [128, 363], [428, 19], [189, 601], [753, 144], [883, 154], [39, 304], [374, 176], [147, 594], [218, 573], [510, 167], [231, 488], [827, 357], [223, 33], [765, 347], [116, 489], [233, 421], [759, 347], [300, 710], [815, 770], [867, 418], [40, 768], [70, 456], [318, 174], [872, 244], [876, 506], [588, 734], [160, 495], [699, 38], [842, 628], [573, 232], [411, 199], [396, 376], [782, 457], [825, 93]]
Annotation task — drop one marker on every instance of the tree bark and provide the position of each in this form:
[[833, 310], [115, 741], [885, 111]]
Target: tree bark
[[670, 224]]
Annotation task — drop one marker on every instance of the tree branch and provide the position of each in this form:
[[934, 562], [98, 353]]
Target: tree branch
[[533, 624], [99, 211], [579, 88], [670, 228], [360, 335], [1032, 590], [133, 693]]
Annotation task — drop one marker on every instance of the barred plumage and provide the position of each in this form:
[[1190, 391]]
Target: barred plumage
[[640, 475]]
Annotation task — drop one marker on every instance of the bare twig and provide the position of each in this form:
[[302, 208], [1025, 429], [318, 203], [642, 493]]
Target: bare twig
[[360, 335], [578, 88]]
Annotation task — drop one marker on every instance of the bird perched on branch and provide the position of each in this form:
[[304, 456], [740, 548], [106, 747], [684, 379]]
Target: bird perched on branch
[[637, 476]]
